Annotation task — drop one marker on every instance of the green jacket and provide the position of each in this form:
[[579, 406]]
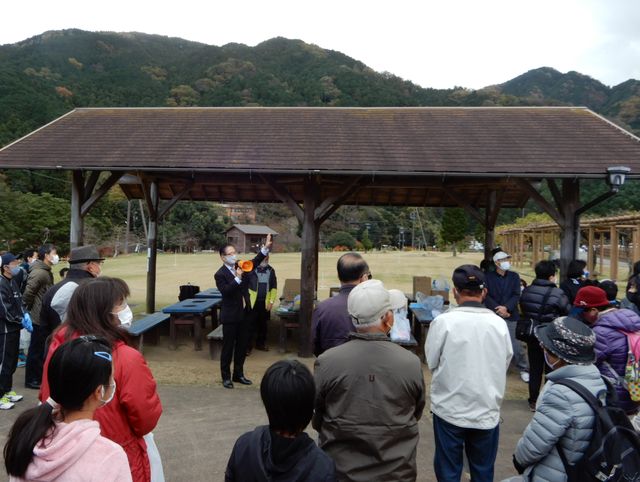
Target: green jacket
[[39, 281]]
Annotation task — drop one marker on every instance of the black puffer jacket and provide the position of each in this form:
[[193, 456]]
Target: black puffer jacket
[[531, 301]]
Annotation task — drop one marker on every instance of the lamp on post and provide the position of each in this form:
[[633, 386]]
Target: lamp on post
[[616, 176]]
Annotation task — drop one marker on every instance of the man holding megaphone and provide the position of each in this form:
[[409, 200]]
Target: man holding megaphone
[[230, 280]]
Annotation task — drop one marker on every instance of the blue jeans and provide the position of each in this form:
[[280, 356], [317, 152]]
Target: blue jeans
[[481, 447]]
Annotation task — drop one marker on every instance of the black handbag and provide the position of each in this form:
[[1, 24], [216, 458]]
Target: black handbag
[[525, 328]]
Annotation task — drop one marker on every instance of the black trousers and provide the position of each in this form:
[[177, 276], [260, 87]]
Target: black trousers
[[36, 355], [234, 346], [258, 325], [537, 367], [9, 347]]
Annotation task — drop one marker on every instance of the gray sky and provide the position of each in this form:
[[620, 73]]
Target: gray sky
[[468, 43]]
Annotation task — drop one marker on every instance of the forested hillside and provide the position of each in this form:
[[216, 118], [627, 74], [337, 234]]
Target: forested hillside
[[45, 76]]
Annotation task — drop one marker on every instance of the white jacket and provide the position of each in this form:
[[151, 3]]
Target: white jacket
[[468, 351]]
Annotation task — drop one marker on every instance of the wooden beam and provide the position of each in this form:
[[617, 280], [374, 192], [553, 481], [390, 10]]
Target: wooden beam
[[146, 190], [329, 205], [165, 209], [285, 197], [102, 190], [91, 183], [461, 201], [613, 264], [541, 201], [555, 192]]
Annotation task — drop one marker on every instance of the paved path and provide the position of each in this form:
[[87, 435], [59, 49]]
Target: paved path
[[200, 425]]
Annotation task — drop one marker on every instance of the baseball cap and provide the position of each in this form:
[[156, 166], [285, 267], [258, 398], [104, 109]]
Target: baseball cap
[[8, 258], [368, 301], [468, 276], [500, 255]]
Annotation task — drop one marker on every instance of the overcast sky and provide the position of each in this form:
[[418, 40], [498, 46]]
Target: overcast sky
[[469, 43]]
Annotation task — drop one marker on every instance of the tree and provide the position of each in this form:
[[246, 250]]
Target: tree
[[454, 227], [341, 238], [367, 244]]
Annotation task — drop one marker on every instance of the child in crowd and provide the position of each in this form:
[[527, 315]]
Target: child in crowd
[[59, 440], [282, 450]]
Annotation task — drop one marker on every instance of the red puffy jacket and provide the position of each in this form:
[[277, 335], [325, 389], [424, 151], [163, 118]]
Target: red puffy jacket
[[134, 410]]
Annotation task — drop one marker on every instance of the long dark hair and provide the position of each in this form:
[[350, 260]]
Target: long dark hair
[[91, 306], [76, 369]]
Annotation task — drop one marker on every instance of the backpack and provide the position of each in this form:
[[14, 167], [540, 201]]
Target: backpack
[[631, 379], [613, 453]]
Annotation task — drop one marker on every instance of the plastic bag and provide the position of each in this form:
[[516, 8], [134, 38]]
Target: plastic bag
[[157, 473], [27, 324], [401, 329], [435, 304]]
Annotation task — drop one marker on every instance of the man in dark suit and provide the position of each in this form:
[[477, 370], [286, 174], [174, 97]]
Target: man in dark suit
[[233, 312]]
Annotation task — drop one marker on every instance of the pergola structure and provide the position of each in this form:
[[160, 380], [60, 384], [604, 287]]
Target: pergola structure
[[316, 159], [603, 237]]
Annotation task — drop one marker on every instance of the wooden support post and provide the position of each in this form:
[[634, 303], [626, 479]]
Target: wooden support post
[[601, 263], [76, 230], [571, 222], [613, 265], [308, 272], [590, 243], [152, 244], [636, 246]]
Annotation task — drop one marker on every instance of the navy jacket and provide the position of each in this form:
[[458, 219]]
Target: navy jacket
[[234, 295], [264, 456], [503, 291], [331, 323]]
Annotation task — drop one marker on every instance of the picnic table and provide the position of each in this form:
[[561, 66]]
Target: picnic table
[[147, 325], [209, 293], [190, 312], [288, 319]]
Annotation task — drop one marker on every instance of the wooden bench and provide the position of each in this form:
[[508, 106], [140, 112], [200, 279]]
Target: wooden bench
[[215, 343], [148, 324]]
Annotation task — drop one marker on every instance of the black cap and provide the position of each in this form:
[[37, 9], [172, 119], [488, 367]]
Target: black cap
[[469, 277]]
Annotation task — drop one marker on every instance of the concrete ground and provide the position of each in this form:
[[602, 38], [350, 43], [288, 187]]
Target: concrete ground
[[201, 423]]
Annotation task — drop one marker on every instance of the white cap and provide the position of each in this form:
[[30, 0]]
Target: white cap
[[500, 255], [368, 301], [397, 299]]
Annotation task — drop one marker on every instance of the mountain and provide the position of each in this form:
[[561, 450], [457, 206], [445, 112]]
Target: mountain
[[49, 74]]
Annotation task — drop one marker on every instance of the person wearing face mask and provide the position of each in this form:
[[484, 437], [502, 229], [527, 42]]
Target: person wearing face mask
[[231, 280], [85, 263], [631, 300], [11, 315], [543, 301], [262, 285], [39, 281], [588, 303], [609, 325], [577, 277], [28, 257], [562, 416], [503, 295], [59, 440], [98, 307]]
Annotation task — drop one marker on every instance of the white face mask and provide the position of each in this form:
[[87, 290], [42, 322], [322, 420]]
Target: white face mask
[[55, 259], [505, 265], [103, 391], [125, 316], [546, 359], [231, 259]]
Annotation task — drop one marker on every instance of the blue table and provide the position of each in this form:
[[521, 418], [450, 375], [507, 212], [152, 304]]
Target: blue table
[[190, 312], [209, 293]]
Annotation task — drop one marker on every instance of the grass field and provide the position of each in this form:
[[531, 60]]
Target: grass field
[[395, 268]]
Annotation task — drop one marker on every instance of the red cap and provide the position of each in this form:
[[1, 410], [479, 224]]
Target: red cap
[[591, 297]]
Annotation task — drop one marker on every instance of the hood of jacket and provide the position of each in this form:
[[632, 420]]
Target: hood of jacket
[[69, 443], [622, 319], [279, 455]]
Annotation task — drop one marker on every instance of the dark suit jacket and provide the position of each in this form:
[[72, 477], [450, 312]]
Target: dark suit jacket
[[234, 295]]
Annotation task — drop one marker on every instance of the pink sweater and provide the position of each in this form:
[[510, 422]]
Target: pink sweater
[[77, 452]]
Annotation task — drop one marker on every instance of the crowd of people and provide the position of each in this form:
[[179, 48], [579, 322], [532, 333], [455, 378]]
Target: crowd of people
[[366, 395]]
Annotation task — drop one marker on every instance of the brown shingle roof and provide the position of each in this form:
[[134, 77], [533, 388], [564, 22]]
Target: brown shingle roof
[[518, 141], [402, 156], [253, 229]]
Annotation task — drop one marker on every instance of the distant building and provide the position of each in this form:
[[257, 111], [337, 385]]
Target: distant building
[[248, 237], [240, 212]]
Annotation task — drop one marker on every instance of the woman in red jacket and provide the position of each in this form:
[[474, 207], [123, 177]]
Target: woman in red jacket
[[99, 307]]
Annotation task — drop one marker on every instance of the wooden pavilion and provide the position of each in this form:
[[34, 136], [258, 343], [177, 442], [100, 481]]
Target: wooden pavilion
[[316, 159], [615, 238]]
